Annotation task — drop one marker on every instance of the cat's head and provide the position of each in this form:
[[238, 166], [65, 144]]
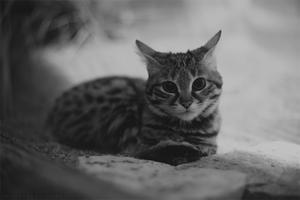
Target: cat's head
[[183, 85]]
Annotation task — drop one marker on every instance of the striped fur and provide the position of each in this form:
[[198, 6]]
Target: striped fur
[[141, 118]]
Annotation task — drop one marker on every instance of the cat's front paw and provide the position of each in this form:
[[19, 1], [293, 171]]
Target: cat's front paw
[[173, 154], [207, 150]]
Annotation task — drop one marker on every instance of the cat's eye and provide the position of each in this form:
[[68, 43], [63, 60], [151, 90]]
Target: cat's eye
[[169, 86], [199, 84]]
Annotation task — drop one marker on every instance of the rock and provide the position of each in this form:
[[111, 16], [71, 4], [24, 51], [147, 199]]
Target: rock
[[273, 168], [25, 174], [283, 160], [273, 172], [165, 181]]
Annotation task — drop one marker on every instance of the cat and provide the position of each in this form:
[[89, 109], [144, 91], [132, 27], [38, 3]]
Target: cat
[[172, 117]]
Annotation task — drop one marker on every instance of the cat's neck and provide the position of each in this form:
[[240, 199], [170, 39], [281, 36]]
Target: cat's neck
[[192, 126]]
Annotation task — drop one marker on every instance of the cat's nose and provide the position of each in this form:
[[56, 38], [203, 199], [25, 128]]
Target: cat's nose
[[186, 104]]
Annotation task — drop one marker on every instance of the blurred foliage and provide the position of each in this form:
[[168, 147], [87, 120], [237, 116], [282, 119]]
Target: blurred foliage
[[38, 23], [28, 25]]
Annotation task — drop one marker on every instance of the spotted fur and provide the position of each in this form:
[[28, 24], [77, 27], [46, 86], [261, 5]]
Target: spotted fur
[[141, 118]]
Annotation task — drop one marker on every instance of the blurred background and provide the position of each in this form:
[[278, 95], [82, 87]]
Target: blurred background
[[50, 46]]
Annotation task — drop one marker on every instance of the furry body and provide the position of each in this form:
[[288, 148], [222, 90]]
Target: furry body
[[172, 117]]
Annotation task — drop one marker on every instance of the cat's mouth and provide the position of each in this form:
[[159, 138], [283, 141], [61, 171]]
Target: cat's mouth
[[187, 115], [187, 111]]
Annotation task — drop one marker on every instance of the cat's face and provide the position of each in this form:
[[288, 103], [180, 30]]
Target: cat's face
[[183, 85]]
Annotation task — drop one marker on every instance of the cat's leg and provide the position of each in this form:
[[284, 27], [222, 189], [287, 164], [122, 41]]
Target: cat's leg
[[172, 148], [171, 152], [207, 146], [164, 146]]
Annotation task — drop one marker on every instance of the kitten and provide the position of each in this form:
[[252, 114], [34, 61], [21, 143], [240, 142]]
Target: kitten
[[172, 117]]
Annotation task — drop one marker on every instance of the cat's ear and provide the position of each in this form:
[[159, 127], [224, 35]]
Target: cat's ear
[[209, 59], [212, 43], [147, 54]]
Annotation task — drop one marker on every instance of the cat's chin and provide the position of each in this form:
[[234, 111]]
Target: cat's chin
[[187, 116]]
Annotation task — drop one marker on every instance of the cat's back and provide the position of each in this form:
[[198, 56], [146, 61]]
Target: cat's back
[[95, 111]]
